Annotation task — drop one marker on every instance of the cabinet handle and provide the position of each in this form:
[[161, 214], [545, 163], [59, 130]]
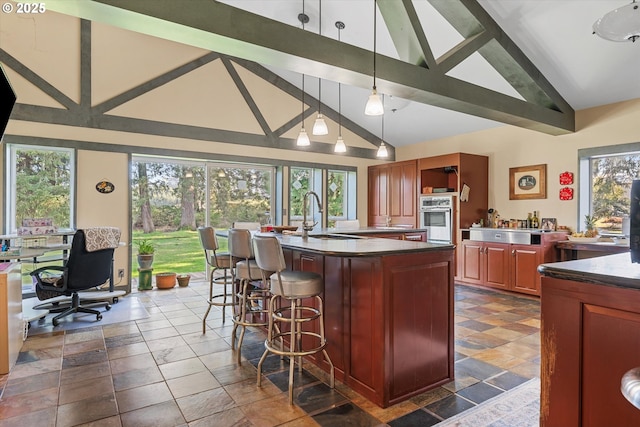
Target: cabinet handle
[[513, 252]]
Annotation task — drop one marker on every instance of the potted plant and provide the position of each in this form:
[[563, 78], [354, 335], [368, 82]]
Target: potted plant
[[145, 254], [165, 280]]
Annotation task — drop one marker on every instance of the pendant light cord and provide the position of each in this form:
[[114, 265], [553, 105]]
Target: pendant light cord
[[340, 26], [375, 33], [319, 78]]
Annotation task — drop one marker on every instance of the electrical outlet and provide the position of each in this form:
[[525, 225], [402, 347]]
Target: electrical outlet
[[121, 273]]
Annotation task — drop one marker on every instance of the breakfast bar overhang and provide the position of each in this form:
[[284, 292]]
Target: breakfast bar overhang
[[388, 311]]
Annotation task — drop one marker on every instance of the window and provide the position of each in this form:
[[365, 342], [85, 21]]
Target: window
[[341, 196], [172, 197], [302, 180], [606, 175], [39, 184]]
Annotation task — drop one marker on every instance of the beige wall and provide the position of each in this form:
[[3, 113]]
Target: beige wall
[[509, 147], [95, 209]]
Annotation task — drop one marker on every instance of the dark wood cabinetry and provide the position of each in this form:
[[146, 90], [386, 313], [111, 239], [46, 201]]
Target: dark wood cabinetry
[[485, 264], [512, 267], [590, 338], [388, 320], [393, 193], [454, 171]]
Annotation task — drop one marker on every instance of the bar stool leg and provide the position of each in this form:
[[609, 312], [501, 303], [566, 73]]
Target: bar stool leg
[[292, 346], [324, 350]]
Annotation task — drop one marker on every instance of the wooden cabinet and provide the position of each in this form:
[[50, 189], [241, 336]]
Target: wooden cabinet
[[453, 171], [393, 193], [590, 338], [11, 324], [388, 320], [524, 265], [485, 264], [508, 266]]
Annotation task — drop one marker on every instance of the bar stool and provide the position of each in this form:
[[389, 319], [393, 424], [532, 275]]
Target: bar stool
[[291, 286], [216, 260], [251, 310]]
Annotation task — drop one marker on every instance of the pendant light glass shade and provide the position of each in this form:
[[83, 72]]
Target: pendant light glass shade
[[382, 150], [340, 147], [320, 126], [374, 105], [303, 139]]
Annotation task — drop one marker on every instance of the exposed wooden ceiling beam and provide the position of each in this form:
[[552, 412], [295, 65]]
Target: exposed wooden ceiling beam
[[221, 28]]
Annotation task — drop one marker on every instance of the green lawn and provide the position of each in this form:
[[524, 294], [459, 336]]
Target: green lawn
[[175, 251]]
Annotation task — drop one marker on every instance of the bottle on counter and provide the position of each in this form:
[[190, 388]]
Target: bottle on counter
[[535, 222], [529, 220]]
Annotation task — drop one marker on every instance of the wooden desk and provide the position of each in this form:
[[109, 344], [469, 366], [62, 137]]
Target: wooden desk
[[575, 250], [11, 324]]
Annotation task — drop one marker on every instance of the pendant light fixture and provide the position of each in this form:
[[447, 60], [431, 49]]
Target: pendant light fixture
[[382, 149], [621, 24], [320, 126], [303, 138], [340, 146], [374, 104]]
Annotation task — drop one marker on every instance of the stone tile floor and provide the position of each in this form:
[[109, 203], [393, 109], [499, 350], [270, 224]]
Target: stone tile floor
[[161, 370]]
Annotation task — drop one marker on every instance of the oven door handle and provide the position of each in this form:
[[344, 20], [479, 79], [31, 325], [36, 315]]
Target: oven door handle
[[435, 209]]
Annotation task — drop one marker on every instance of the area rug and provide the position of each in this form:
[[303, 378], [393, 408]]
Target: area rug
[[518, 407]]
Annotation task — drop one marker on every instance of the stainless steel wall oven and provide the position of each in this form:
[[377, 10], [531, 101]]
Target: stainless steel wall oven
[[436, 216]]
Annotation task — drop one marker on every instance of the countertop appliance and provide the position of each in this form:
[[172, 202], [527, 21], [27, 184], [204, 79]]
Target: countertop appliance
[[436, 216]]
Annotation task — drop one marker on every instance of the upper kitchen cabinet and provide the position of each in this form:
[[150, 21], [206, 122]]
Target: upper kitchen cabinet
[[393, 194], [454, 173]]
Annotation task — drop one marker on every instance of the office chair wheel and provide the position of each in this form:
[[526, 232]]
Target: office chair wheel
[[115, 300], [98, 316], [107, 307]]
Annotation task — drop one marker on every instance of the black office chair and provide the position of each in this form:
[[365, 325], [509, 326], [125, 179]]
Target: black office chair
[[90, 264]]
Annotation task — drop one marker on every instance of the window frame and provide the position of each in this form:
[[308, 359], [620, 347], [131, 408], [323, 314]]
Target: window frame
[[585, 171], [11, 149]]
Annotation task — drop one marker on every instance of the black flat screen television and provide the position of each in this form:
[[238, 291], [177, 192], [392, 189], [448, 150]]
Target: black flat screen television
[[7, 101]]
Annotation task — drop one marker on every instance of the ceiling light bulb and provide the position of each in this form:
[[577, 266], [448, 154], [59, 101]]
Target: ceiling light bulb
[[221, 173], [320, 126], [340, 147], [382, 150], [303, 139], [374, 105]]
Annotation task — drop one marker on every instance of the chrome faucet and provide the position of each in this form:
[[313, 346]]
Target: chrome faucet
[[306, 227]]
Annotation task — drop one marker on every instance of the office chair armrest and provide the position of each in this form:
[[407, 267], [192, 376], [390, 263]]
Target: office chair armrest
[[48, 286]]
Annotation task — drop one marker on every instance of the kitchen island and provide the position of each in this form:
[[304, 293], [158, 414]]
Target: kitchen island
[[590, 337], [388, 310]]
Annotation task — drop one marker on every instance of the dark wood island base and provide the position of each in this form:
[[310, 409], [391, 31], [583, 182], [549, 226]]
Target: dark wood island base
[[388, 312]]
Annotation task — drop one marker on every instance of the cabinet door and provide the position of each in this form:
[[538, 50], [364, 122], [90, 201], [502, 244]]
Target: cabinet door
[[403, 194], [378, 195], [472, 261], [524, 267], [497, 265]]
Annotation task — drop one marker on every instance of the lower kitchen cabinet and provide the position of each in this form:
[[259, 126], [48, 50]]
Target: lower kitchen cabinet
[[501, 265], [485, 263], [507, 266]]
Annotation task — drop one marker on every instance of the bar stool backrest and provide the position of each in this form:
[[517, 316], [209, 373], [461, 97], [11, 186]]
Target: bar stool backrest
[[210, 245], [268, 251], [240, 243]]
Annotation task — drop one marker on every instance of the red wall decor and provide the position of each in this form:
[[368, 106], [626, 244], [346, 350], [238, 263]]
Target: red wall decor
[[566, 193], [566, 178]]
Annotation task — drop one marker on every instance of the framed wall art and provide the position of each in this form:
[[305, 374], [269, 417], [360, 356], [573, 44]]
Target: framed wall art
[[528, 182]]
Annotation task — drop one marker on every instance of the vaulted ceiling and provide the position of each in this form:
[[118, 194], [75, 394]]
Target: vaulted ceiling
[[445, 66]]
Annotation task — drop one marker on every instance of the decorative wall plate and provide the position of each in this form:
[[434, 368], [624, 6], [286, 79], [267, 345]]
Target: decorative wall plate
[[566, 193], [105, 187], [566, 178]]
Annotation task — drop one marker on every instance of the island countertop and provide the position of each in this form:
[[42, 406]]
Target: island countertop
[[611, 270], [350, 244]]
